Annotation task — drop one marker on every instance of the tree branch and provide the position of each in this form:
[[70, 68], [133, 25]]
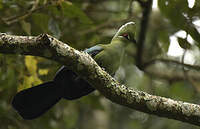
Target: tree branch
[[171, 74], [143, 29], [35, 8], [48, 47], [170, 61]]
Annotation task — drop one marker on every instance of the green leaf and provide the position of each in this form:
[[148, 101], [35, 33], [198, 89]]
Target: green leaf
[[184, 43], [173, 11], [178, 90], [26, 27], [1, 4], [54, 10], [164, 41], [197, 3], [41, 20], [32, 78], [190, 29], [72, 11], [177, 13]]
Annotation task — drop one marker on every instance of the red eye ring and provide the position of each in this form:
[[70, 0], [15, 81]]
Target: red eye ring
[[126, 35]]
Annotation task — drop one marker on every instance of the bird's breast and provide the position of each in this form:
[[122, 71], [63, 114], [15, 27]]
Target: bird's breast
[[109, 60]]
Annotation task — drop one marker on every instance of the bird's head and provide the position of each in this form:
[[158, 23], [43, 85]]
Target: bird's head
[[127, 32]]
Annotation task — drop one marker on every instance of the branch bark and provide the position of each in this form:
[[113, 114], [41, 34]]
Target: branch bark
[[48, 47]]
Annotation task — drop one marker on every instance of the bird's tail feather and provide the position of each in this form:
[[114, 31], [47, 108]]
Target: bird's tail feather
[[33, 102], [74, 87]]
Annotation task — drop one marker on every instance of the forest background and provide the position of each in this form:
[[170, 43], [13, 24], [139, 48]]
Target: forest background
[[171, 33]]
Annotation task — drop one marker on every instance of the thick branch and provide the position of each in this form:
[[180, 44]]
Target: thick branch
[[81, 63]]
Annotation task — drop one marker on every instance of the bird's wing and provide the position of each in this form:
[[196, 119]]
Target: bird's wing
[[93, 51], [74, 86]]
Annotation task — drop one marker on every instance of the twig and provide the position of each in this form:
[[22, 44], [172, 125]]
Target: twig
[[182, 62], [14, 19], [194, 67], [171, 75], [151, 62]]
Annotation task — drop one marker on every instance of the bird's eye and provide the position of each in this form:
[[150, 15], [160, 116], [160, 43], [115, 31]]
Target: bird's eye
[[125, 35]]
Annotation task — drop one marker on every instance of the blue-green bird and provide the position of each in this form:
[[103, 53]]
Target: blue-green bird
[[33, 102]]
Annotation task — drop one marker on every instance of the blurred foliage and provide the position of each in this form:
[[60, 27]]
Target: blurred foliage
[[83, 24]]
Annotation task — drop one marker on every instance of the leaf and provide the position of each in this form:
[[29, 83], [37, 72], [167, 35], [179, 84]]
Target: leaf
[[190, 29], [71, 11], [184, 43], [31, 64], [1, 4], [43, 71], [31, 79], [41, 20], [26, 27], [28, 82], [177, 12], [172, 11], [164, 41], [179, 89], [55, 11], [54, 28]]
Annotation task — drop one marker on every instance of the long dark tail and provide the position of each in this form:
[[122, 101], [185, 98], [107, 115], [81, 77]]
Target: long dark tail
[[33, 102], [74, 87]]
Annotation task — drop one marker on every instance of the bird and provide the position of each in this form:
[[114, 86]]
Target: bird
[[31, 103]]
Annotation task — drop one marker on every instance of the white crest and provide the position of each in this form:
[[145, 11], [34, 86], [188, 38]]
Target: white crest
[[123, 27]]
